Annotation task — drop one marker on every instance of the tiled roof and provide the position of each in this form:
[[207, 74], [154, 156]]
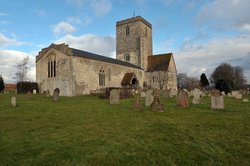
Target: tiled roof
[[159, 62], [9, 86], [127, 78], [89, 55]]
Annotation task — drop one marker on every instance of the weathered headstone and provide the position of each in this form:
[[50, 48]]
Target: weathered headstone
[[34, 91], [137, 105], [114, 96], [149, 98], [13, 101], [197, 96], [157, 105], [217, 100], [245, 100], [48, 93], [182, 99], [223, 93], [229, 94], [143, 94], [238, 96], [56, 94]]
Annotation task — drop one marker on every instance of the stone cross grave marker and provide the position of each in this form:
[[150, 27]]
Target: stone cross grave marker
[[157, 105], [197, 96], [114, 96]]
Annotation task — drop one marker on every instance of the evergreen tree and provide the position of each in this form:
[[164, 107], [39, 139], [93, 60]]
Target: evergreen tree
[[1, 83], [203, 80]]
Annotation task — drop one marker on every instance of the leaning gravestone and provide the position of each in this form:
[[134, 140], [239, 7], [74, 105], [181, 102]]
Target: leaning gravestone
[[114, 96], [13, 101], [149, 98], [197, 96], [217, 100], [182, 99], [157, 105], [56, 94]]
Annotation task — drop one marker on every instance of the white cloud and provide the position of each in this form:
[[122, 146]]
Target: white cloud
[[9, 58], [194, 58], [101, 7], [3, 14], [223, 14], [103, 45], [63, 28], [5, 41], [79, 20]]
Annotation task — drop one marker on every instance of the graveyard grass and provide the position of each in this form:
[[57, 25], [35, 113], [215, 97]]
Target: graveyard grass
[[86, 130]]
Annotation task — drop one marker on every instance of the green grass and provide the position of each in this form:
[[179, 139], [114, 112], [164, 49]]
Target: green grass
[[86, 130]]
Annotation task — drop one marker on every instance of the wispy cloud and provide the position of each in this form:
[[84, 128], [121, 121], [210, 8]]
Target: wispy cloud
[[6, 41], [3, 14], [225, 14], [99, 7], [63, 28], [103, 45]]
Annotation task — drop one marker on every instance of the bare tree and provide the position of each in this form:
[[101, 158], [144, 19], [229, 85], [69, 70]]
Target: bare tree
[[182, 80], [22, 70], [161, 77]]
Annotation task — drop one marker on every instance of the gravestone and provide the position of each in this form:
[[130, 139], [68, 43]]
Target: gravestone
[[34, 91], [143, 94], [217, 100], [229, 94], [56, 94], [223, 93], [44, 93], [29, 94], [48, 93], [245, 100], [157, 105], [197, 96], [114, 96], [182, 99], [13, 101], [149, 98], [137, 105], [238, 96]]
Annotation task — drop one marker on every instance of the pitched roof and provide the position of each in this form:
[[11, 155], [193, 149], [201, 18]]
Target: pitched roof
[[159, 62], [127, 78], [9, 86], [89, 55]]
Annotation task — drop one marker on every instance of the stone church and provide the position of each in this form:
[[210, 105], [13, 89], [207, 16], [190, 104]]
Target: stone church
[[77, 72]]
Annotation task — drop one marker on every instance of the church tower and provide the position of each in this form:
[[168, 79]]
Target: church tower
[[134, 41]]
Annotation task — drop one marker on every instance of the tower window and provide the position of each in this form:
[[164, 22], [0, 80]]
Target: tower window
[[101, 78], [127, 57], [127, 30], [146, 32]]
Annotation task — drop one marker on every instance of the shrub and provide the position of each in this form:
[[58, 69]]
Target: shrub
[[25, 87]]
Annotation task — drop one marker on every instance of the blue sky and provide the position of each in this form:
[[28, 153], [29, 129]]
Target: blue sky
[[201, 33]]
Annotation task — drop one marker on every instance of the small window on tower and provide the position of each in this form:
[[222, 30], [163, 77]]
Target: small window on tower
[[127, 30], [146, 32], [127, 57]]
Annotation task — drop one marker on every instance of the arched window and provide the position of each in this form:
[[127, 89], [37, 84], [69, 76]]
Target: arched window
[[51, 66], [127, 57], [101, 78], [127, 30]]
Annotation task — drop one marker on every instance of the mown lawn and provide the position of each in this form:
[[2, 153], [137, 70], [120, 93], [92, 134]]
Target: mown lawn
[[86, 130]]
